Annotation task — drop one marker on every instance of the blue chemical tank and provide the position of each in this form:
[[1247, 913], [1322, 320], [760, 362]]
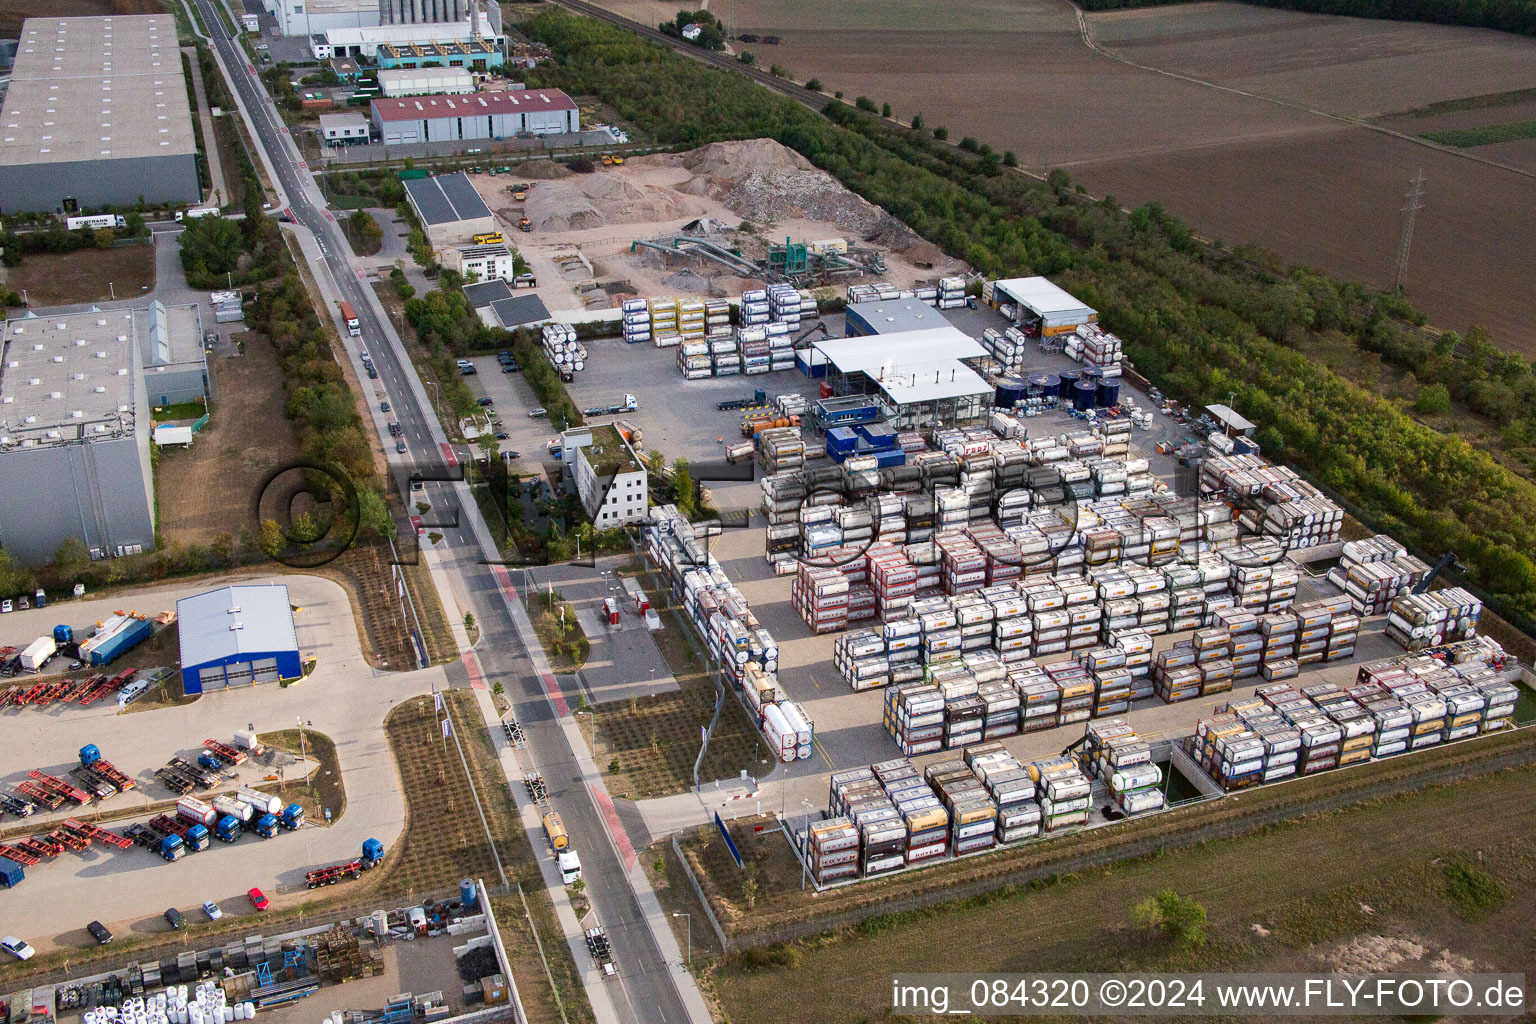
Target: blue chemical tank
[[1043, 385], [467, 892], [1084, 394], [1010, 392], [1109, 392]]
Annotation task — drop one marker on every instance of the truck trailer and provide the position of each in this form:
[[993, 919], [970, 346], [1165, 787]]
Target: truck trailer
[[37, 653], [114, 637]]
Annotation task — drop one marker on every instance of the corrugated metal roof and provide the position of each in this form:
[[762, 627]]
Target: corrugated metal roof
[[250, 619], [1044, 298], [420, 108]]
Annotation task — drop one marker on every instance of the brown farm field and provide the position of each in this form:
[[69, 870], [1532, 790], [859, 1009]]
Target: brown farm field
[[86, 275], [1284, 899], [1252, 124]]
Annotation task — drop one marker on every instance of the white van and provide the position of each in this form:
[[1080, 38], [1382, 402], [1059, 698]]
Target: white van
[[132, 692]]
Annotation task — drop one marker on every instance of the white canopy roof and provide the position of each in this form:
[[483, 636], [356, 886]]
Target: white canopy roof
[[932, 380], [1046, 300], [879, 352]]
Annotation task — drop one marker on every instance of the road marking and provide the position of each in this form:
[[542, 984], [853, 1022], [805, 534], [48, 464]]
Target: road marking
[[824, 755], [472, 666]]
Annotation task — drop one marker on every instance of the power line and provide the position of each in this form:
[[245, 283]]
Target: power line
[[1411, 208]]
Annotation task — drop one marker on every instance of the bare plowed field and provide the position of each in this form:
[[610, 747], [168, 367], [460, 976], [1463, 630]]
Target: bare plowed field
[[1357, 67], [1288, 896], [1241, 158], [1343, 191]]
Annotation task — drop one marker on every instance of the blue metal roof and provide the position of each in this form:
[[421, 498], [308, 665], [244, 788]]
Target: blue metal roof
[[235, 621]]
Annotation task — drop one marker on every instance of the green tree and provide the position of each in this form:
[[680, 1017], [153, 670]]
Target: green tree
[[13, 577], [941, 133], [865, 103], [1432, 399], [210, 245], [814, 85], [135, 224], [71, 559], [373, 517], [745, 56], [1009, 160], [269, 538], [917, 122], [1178, 917], [885, 110], [682, 487]]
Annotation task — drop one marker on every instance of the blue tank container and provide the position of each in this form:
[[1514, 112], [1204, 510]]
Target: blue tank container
[[468, 894], [1109, 392], [1084, 394], [842, 440], [1010, 392]]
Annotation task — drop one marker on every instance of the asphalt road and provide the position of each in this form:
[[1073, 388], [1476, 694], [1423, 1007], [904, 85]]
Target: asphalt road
[[646, 990]]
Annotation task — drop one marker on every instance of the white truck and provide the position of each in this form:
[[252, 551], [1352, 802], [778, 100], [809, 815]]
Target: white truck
[[38, 653], [570, 867], [100, 220], [195, 212]]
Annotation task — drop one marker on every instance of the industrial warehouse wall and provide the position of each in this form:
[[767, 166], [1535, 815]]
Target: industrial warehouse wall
[[42, 188], [98, 492], [175, 386]]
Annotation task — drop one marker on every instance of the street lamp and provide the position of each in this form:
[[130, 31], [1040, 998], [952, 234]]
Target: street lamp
[[676, 913]]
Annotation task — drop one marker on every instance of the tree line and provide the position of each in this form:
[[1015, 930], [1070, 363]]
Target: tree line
[[1197, 323], [1518, 16]]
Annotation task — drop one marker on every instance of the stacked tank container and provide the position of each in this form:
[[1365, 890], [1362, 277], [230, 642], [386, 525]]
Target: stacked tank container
[[693, 360], [754, 308], [832, 850], [636, 320], [561, 347], [1417, 621], [950, 293], [1065, 792], [663, 318]]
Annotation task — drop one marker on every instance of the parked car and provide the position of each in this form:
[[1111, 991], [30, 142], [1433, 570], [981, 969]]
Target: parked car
[[258, 899], [502, 435], [23, 603], [537, 412], [99, 933], [511, 454], [5, 606], [485, 403], [511, 367], [468, 370], [400, 447], [212, 910], [416, 483], [174, 918], [18, 948], [383, 407]]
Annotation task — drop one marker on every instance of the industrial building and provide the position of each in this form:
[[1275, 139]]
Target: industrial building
[[867, 318], [363, 39], [486, 262], [417, 12], [498, 306], [349, 129], [96, 115], [493, 115], [74, 437], [917, 378], [449, 208], [426, 82], [610, 478], [476, 54], [237, 636], [307, 17], [1039, 306]]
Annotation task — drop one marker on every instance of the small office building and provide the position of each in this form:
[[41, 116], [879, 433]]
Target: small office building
[[610, 478], [350, 129]]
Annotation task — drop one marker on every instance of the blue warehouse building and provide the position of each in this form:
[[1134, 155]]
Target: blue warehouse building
[[237, 636]]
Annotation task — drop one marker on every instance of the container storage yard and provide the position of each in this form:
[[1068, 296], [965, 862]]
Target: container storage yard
[[1079, 603]]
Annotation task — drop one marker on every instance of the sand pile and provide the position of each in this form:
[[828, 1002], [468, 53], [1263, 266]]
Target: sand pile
[[586, 201], [540, 169]]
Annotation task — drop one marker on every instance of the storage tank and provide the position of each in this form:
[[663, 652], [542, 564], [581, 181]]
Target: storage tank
[[467, 892], [1084, 395], [1109, 392], [195, 810], [237, 809], [1042, 385], [1010, 392], [265, 803], [1093, 373]]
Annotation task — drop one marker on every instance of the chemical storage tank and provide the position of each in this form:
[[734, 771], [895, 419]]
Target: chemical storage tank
[[1043, 385], [1109, 392], [1092, 372], [1084, 394], [1010, 392]]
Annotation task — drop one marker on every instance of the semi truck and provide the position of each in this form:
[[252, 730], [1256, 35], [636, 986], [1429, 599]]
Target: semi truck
[[629, 404], [167, 845], [759, 397], [196, 811], [292, 817], [100, 220], [194, 836], [554, 828], [227, 829], [266, 826], [38, 653], [373, 853]]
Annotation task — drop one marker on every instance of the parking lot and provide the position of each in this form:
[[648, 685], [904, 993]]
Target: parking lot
[[129, 889]]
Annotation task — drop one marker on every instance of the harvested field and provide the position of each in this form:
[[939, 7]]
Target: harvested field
[[1358, 67], [88, 275], [1469, 262], [1361, 887]]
